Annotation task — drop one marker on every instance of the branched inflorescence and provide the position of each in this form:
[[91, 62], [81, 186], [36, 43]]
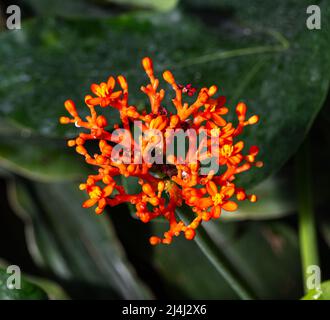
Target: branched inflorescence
[[166, 185]]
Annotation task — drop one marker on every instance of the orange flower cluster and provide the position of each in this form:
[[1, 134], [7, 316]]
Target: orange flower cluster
[[180, 181]]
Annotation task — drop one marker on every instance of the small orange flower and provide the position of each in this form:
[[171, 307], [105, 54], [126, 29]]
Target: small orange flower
[[104, 93], [166, 180]]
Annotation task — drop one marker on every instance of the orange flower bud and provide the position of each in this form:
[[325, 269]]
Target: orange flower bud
[[230, 206], [203, 96], [87, 98], [71, 108], [71, 143], [168, 77], [107, 179], [241, 111], [211, 188], [212, 90], [259, 164], [64, 120], [89, 203], [254, 150], [99, 210], [147, 65], [102, 144], [253, 120], [101, 121], [161, 186], [216, 211], [206, 216], [108, 190], [154, 201], [154, 240], [146, 188], [122, 82], [111, 82], [131, 112], [190, 233], [174, 121], [100, 159], [240, 195], [81, 150], [80, 141]]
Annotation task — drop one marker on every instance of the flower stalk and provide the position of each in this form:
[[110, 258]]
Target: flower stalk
[[307, 227]]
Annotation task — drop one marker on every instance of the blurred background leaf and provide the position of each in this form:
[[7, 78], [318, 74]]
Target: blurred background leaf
[[159, 5], [95, 8], [27, 291], [68, 8], [78, 247], [275, 201], [52, 289], [325, 229], [40, 158]]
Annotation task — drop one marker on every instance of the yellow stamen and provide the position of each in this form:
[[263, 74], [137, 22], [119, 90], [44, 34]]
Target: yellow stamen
[[95, 193], [227, 150], [217, 198]]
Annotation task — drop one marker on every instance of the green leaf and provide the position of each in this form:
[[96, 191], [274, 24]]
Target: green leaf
[[325, 230], [274, 201], [159, 5], [266, 62], [92, 8], [188, 273], [54, 291], [40, 158], [27, 290], [319, 294], [68, 8], [77, 245]]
